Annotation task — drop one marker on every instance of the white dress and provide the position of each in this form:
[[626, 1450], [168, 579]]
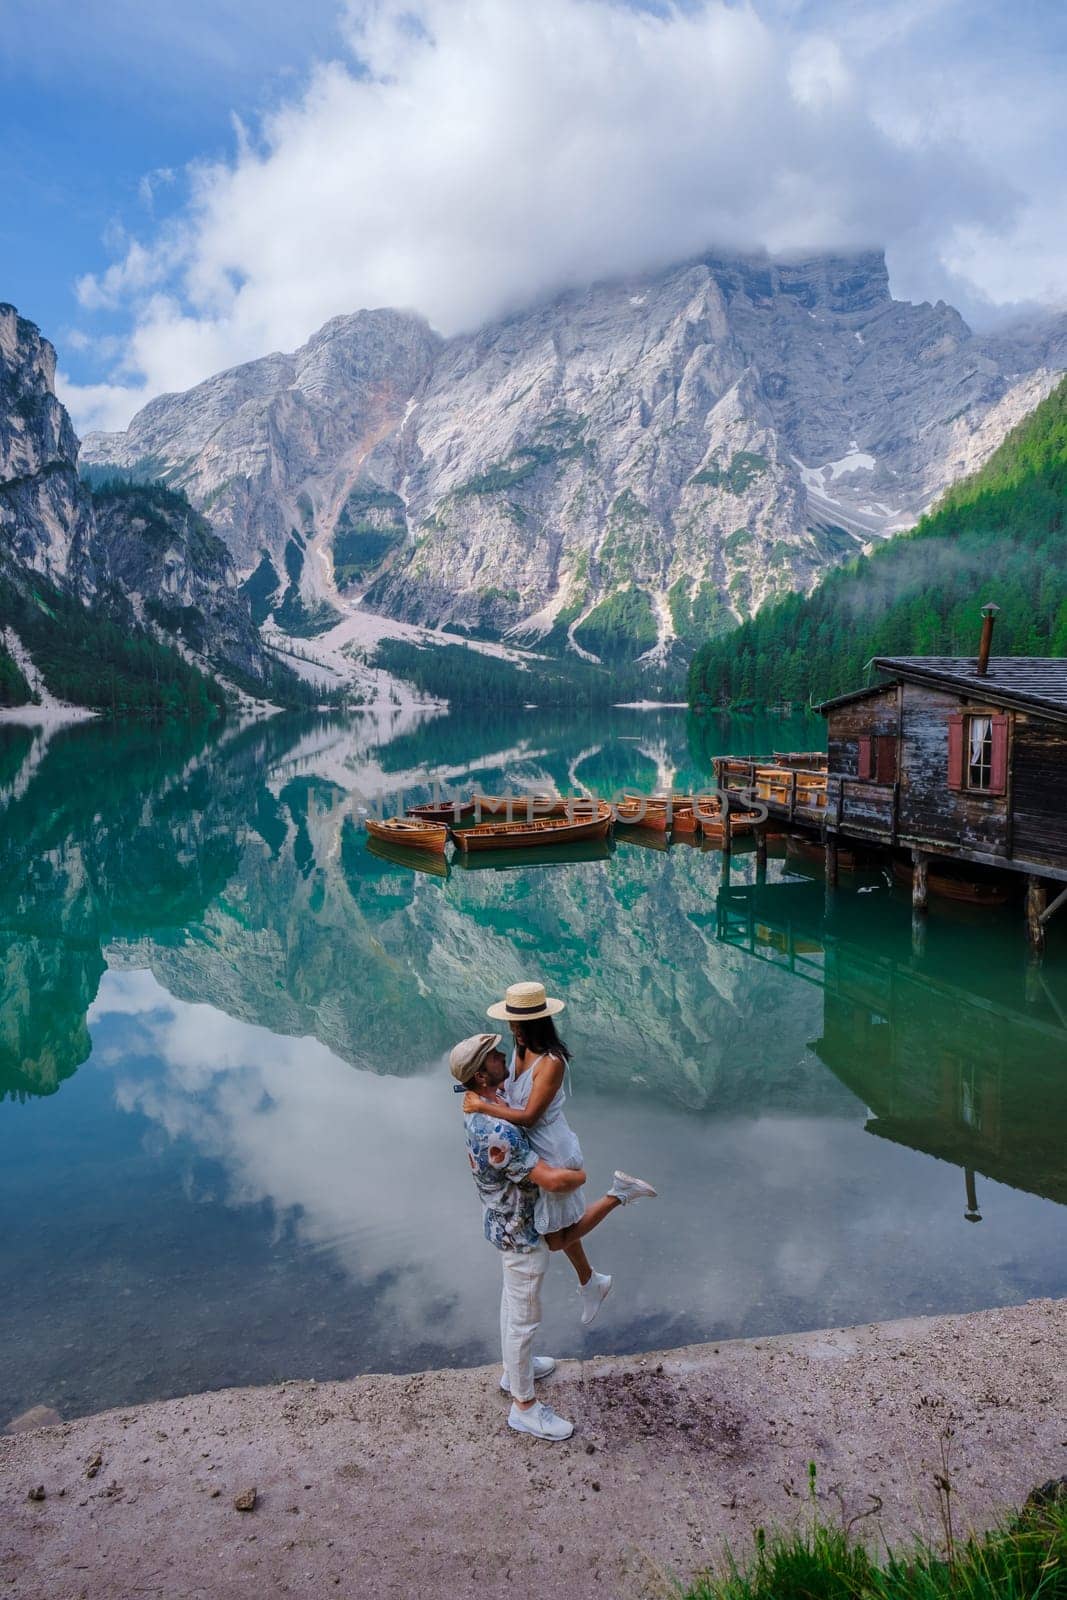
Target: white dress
[[555, 1141]]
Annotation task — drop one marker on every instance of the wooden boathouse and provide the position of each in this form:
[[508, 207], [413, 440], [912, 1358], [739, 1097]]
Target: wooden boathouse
[[945, 760]]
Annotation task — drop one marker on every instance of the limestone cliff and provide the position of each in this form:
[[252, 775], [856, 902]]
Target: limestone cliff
[[46, 520], [138, 559], [178, 575], [622, 470]]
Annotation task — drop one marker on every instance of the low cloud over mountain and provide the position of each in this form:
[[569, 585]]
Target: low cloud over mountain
[[465, 158]]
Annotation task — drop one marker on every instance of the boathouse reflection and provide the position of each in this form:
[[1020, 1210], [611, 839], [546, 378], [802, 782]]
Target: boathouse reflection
[[958, 1048]]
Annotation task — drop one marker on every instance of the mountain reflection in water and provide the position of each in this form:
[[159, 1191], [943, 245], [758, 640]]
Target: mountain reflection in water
[[228, 1127]]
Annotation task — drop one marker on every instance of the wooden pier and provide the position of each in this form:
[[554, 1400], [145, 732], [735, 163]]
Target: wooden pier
[[946, 762]]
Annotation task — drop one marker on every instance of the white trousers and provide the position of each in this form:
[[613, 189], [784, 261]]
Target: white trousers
[[520, 1315]]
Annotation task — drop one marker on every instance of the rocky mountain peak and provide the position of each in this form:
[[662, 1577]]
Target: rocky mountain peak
[[840, 284], [620, 470]]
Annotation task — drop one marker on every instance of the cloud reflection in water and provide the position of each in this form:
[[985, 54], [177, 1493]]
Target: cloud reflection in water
[[765, 1223]]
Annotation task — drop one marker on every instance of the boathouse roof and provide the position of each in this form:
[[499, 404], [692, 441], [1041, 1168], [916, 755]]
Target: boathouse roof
[[1038, 681]]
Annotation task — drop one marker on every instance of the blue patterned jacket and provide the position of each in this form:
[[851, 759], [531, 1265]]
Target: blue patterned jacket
[[501, 1160]]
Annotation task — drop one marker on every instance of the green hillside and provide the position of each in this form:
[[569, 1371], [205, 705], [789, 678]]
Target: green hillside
[[92, 659], [998, 535]]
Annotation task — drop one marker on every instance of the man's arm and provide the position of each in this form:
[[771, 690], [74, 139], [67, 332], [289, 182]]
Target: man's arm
[[556, 1180], [547, 1080], [510, 1153]]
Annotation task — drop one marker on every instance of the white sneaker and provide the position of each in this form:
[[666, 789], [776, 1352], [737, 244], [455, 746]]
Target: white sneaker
[[543, 1365], [540, 1420], [593, 1294], [626, 1188]]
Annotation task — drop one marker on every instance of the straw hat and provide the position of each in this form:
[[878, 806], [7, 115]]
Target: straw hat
[[466, 1057], [523, 1002]]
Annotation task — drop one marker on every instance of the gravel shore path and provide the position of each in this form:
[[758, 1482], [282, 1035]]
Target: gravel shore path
[[413, 1486]]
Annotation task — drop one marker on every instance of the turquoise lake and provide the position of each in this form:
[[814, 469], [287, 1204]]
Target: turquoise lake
[[229, 1150]]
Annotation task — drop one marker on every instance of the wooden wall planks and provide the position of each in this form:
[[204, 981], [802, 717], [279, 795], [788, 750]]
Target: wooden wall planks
[[1028, 824]]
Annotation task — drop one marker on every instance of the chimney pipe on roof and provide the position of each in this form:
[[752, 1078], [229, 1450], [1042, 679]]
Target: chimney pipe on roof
[[989, 615]]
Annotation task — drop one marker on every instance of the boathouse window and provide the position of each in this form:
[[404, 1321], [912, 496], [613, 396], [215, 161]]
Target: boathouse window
[[978, 753], [878, 757]]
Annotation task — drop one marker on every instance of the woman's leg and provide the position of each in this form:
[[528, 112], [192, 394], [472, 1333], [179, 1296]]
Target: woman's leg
[[578, 1259], [592, 1217]]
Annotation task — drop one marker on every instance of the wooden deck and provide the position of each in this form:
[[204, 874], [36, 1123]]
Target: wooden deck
[[864, 812]]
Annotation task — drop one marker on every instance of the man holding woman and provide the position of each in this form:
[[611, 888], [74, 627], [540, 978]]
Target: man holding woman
[[527, 1167]]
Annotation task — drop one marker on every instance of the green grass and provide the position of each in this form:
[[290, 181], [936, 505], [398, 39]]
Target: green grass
[[1025, 1559]]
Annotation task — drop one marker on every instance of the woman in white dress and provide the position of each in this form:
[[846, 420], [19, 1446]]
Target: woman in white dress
[[533, 1097]]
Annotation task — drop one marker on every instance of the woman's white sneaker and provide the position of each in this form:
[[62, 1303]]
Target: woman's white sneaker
[[543, 1365], [626, 1189], [593, 1295], [540, 1420]]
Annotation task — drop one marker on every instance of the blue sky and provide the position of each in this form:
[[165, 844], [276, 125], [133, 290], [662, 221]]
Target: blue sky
[[191, 187], [96, 98]]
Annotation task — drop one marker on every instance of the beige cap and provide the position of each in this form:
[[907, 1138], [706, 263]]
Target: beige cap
[[524, 1002], [466, 1057]]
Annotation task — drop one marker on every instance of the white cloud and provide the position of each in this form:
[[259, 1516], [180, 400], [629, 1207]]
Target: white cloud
[[138, 270], [474, 154], [99, 405], [152, 182]]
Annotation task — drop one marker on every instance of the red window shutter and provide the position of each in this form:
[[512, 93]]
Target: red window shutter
[[865, 756], [998, 774], [886, 769], [955, 751]]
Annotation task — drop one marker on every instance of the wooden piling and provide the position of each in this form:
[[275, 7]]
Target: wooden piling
[[1036, 898], [831, 860], [761, 853], [918, 935], [920, 862]]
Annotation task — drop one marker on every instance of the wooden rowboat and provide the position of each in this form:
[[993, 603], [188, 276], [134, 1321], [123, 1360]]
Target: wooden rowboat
[[676, 802], [642, 814], [523, 806], [409, 831], [454, 811], [678, 811], [741, 823], [974, 891], [713, 827], [542, 831]]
